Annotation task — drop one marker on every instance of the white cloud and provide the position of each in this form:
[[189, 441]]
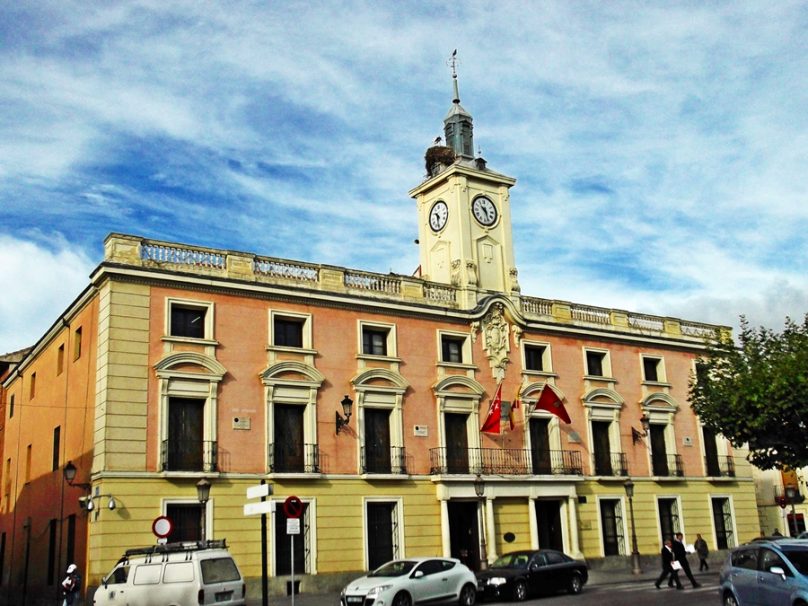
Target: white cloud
[[39, 280]]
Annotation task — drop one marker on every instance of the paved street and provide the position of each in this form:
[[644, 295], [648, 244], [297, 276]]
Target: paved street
[[605, 589]]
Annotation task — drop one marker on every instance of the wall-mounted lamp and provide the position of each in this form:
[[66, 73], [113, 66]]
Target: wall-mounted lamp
[[88, 503], [69, 473], [347, 406], [637, 436]]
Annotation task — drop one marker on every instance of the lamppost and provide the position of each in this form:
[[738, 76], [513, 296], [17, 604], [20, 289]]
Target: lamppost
[[635, 553], [203, 494], [479, 490], [791, 494]]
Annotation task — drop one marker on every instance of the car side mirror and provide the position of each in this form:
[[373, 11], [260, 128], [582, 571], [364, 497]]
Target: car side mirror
[[533, 566], [417, 574], [778, 570]]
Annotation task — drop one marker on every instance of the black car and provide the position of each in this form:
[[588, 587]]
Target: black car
[[519, 574]]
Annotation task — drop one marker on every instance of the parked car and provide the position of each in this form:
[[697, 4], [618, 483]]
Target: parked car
[[766, 573], [174, 573], [412, 581], [520, 574]]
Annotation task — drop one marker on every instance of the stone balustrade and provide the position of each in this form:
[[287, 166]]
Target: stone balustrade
[[126, 250]]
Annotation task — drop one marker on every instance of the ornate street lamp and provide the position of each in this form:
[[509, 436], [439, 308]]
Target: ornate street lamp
[[791, 494], [202, 495], [347, 406], [479, 490], [635, 553]]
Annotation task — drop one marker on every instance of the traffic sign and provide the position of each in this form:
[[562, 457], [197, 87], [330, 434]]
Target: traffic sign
[[162, 526], [293, 526], [293, 507], [253, 509], [261, 490]]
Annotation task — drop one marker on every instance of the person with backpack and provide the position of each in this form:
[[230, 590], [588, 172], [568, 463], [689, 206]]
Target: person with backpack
[[71, 586]]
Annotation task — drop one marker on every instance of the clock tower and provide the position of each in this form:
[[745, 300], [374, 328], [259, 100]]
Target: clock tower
[[464, 216]]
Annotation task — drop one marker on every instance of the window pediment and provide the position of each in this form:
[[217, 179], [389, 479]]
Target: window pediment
[[458, 385], [291, 371], [603, 397], [380, 378], [190, 363], [659, 402]]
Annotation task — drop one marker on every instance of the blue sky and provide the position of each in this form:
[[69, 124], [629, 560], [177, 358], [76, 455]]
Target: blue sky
[[661, 149]]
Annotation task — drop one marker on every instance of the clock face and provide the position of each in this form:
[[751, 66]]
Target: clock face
[[484, 211], [438, 215]]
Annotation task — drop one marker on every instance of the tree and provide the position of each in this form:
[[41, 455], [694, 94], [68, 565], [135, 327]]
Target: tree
[[756, 393]]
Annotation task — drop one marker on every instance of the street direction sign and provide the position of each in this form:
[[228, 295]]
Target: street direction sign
[[252, 509], [261, 490]]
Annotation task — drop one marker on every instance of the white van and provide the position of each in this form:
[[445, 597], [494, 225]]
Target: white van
[[174, 574]]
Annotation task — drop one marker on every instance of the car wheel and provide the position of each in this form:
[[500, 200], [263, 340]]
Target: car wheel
[[576, 584], [729, 600], [520, 591], [468, 595], [402, 599]]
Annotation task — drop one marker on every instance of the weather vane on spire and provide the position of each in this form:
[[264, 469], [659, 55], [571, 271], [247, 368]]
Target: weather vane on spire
[[452, 62]]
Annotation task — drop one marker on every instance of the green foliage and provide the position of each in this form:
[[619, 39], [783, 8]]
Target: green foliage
[[756, 393]]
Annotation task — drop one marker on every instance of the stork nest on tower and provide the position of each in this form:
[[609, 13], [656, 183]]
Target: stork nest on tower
[[438, 154]]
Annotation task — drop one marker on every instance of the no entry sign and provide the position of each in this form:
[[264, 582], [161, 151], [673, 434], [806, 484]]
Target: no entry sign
[[293, 507], [162, 526]]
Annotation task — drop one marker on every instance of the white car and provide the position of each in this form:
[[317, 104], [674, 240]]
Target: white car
[[413, 581]]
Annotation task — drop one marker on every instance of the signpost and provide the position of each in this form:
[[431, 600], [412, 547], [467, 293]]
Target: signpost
[[162, 527], [262, 491], [293, 508]]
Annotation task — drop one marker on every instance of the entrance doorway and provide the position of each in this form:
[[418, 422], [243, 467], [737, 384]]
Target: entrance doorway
[[463, 533], [548, 517]]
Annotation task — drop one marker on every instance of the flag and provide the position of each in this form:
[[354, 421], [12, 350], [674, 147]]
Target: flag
[[548, 400], [515, 404], [636, 436], [491, 424]]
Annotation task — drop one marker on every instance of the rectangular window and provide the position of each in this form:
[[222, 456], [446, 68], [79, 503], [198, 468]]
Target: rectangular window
[[187, 321], [595, 366], [11, 406], [722, 518], [28, 464], [668, 517], [60, 359], [51, 551], [651, 367], [32, 386], [534, 357], [377, 452], [77, 344], [287, 332], [184, 450], [71, 538], [2, 557], [452, 349], [601, 445], [57, 435], [187, 521], [382, 533], [374, 341], [611, 522]]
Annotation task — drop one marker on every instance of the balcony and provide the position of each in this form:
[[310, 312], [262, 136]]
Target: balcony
[[189, 456], [504, 461], [720, 467], [667, 466], [610, 464], [393, 461], [286, 458]]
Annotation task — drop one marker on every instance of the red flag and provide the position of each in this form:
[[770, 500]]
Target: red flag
[[491, 424], [548, 400]]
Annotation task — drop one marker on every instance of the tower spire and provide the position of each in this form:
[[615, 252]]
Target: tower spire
[[457, 126]]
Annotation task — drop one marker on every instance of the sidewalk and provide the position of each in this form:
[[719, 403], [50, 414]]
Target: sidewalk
[[596, 578]]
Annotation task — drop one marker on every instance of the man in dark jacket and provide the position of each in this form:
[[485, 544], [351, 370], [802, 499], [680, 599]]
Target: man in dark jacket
[[667, 567], [680, 553]]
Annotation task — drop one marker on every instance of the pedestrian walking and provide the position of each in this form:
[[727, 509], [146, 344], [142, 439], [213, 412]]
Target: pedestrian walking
[[668, 559], [71, 586], [680, 552], [703, 551]]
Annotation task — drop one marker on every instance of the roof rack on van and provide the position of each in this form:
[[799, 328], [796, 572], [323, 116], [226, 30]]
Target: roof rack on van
[[176, 547]]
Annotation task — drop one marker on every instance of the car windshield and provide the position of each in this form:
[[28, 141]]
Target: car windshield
[[393, 569], [798, 557], [512, 560]]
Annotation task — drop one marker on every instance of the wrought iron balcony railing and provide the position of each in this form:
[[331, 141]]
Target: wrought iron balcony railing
[[669, 465], [200, 455], [504, 461], [720, 467], [286, 458], [610, 464], [393, 460]]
